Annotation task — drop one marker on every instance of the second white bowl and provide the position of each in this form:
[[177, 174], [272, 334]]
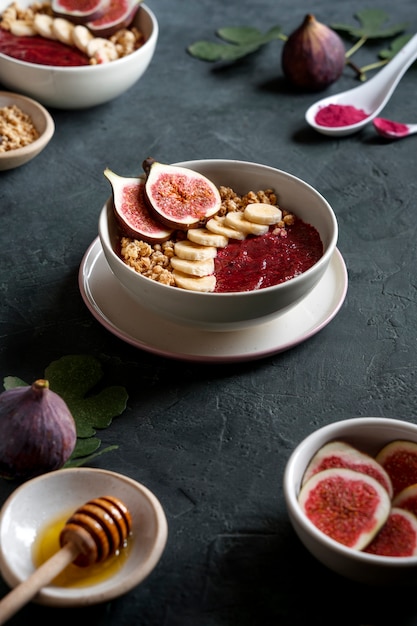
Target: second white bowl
[[84, 86]]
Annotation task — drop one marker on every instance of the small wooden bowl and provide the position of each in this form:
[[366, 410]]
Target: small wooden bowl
[[39, 501], [41, 119]]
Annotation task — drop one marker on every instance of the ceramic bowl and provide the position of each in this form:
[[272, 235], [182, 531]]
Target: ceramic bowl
[[43, 122], [35, 503], [231, 311], [369, 434], [86, 86]]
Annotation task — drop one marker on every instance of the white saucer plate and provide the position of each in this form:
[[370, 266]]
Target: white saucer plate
[[120, 314]]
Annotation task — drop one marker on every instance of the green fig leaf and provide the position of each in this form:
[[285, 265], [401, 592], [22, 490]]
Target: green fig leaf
[[72, 377], [372, 23], [248, 35], [10, 382], [77, 462], [242, 40], [394, 48], [211, 52], [85, 446]]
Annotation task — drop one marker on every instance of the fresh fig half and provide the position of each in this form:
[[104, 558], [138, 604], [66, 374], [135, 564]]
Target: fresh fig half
[[119, 14], [397, 537], [180, 197], [399, 459], [348, 506], [407, 499], [342, 454], [79, 11], [131, 209]]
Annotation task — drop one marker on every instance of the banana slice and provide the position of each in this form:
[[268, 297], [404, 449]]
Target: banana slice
[[193, 268], [204, 284], [193, 251], [44, 25], [262, 213], [239, 222], [102, 49], [81, 37], [217, 225], [21, 28], [205, 237], [63, 30]]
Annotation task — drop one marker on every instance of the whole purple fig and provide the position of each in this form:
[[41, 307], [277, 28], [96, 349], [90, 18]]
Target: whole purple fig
[[37, 431], [313, 57]]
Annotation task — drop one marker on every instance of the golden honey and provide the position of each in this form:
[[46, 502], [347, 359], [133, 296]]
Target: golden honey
[[47, 544]]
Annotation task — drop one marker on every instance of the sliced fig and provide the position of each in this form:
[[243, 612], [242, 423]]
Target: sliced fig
[[407, 499], [342, 454], [79, 11], [348, 506], [397, 537], [180, 197], [399, 459], [131, 209], [119, 14]]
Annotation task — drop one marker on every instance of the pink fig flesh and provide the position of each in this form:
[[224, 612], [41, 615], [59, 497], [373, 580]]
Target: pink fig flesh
[[407, 499], [79, 11], [399, 460], [348, 506], [119, 14], [181, 198], [342, 454], [132, 212], [397, 537]]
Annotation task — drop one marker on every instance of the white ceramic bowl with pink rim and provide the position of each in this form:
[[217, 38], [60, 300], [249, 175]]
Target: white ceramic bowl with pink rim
[[237, 310], [39, 501], [370, 435], [82, 86]]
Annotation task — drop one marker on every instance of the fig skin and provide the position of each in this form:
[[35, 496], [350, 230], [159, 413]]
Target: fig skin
[[131, 210], [313, 57], [37, 431]]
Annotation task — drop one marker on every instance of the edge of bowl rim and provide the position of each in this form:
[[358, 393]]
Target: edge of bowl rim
[[43, 139], [101, 66], [331, 544], [251, 294], [45, 597]]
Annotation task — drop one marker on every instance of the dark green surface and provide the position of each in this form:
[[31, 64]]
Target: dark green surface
[[211, 441]]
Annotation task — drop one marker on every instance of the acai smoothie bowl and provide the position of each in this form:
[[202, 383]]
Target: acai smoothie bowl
[[216, 244], [73, 55]]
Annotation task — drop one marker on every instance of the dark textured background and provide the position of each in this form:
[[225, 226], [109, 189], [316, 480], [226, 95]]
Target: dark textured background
[[211, 441]]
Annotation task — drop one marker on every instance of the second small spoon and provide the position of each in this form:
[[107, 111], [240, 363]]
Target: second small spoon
[[370, 97], [393, 130]]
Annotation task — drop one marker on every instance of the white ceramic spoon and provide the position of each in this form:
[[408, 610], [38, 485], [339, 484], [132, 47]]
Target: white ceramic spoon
[[393, 130], [371, 96]]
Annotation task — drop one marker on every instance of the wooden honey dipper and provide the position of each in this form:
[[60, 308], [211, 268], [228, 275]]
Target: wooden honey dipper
[[96, 531]]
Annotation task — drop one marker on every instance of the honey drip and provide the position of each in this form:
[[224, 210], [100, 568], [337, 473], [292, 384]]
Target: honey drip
[[47, 543]]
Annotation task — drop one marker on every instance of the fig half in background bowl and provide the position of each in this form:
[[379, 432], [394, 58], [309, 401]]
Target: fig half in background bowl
[[78, 86], [238, 309]]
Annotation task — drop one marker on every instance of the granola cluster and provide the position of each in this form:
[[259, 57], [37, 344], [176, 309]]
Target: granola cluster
[[16, 128], [153, 261]]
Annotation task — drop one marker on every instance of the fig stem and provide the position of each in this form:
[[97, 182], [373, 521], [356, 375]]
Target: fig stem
[[41, 383]]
